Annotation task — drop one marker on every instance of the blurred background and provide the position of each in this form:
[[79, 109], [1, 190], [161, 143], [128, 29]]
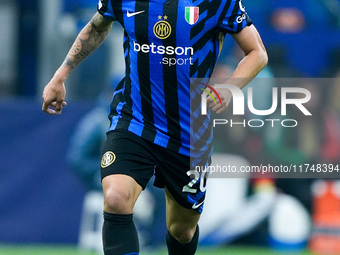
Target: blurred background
[[49, 183]]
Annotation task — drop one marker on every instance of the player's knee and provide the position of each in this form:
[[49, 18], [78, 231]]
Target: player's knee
[[182, 233], [117, 201]]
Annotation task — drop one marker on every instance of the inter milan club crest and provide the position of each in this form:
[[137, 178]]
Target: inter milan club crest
[[162, 29], [191, 14], [108, 158]]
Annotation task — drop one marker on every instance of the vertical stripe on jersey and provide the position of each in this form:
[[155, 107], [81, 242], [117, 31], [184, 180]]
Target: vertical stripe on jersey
[[183, 38], [127, 82], [127, 91], [117, 105], [156, 77], [118, 102], [170, 80], [231, 22], [132, 95], [141, 24]]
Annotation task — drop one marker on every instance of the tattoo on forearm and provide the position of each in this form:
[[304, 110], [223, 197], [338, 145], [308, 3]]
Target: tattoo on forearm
[[76, 48], [86, 42]]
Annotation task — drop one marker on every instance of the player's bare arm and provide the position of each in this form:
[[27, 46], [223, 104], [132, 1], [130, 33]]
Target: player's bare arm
[[89, 38], [254, 60]]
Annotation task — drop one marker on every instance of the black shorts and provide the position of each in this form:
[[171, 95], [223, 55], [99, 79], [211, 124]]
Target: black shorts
[[129, 154]]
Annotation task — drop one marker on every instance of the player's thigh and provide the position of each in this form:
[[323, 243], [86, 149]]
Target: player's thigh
[[126, 168], [180, 221], [120, 193]]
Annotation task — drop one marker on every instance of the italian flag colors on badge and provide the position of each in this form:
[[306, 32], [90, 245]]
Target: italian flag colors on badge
[[191, 14]]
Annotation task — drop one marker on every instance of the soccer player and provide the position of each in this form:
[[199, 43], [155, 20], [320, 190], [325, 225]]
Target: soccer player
[[166, 43]]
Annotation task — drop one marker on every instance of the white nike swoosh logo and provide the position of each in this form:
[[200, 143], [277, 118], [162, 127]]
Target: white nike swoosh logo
[[130, 14], [195, 206]]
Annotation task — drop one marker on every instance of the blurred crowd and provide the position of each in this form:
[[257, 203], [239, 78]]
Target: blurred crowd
[[302, 39]]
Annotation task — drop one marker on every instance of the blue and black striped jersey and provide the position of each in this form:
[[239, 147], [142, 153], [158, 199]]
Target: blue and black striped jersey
[[166, 44]]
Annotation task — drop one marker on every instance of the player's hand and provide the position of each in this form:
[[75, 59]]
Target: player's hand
[[225, 96], [53, 97]]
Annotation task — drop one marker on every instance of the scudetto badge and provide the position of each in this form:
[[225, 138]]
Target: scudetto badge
[[108, 158]]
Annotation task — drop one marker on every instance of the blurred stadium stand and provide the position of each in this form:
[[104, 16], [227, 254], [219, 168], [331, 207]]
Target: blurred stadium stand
[[39, 33], [41, 199]]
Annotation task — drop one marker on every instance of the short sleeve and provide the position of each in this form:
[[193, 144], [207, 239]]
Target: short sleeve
[[236, 17], [104, 7]]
